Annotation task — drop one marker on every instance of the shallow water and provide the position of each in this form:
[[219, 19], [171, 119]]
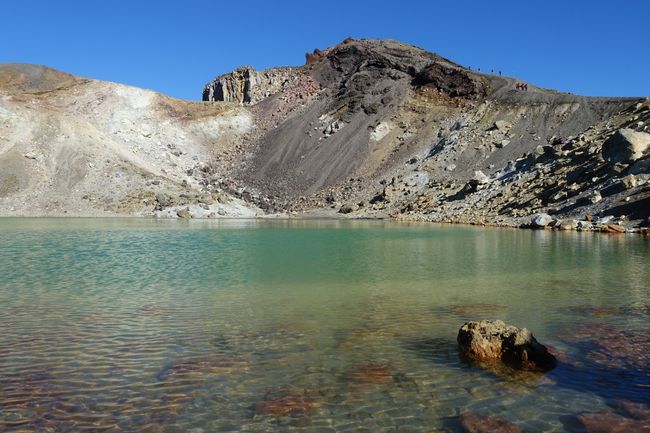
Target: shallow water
[[131, 325]]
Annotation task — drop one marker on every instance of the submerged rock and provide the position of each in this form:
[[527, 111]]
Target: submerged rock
[[612, 423], [371, 374], [495, 341], [288, 405], [477, 309], [199, 368], [634, 410], [473, 423]]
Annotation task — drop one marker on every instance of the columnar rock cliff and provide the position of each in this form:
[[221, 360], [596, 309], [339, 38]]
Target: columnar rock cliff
[[245, 85], [366, 128]]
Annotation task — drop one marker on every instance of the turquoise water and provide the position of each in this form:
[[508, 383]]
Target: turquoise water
[[132, 325]]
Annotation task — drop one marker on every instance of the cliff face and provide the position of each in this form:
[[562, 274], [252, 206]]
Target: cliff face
[[366, 128], [245, 85]]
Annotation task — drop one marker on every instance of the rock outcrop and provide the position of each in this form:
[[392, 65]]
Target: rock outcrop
[[488, 341], [245, 85], [314, 56]]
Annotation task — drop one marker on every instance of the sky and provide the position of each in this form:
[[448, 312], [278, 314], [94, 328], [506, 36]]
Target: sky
[[584, 47]]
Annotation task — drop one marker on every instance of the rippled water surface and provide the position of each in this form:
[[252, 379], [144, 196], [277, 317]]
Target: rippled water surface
[[123, 325]]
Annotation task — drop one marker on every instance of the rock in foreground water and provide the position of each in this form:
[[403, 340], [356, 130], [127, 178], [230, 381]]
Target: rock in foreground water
[[495, 341], [473, 423], [288, 405], [612, 423]]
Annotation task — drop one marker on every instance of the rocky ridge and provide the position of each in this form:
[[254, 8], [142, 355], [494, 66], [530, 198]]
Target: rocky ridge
[[365, 129]]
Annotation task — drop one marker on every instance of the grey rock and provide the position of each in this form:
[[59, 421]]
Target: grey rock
[[626, 146], [641, 166], [502, 125], [184, 213], [568, 225], [346, 209], [487, 341], [595, 197], [605, 219], [541, 220], [584, 225], [163, 200], [480, 178], [628, 182], [459, 124], [591, 198]]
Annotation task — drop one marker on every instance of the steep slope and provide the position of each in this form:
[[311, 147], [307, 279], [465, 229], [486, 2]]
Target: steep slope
[[377, 128], [82, 147], [366, 128]]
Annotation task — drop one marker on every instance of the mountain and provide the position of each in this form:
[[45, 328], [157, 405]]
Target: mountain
[[74, 146], [366, 128]]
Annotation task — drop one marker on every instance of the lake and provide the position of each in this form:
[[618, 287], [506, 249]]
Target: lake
[[136, 325]]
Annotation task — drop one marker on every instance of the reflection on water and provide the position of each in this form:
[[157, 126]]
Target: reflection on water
[[204, 326]]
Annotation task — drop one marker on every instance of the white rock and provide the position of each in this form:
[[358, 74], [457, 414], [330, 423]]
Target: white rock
[[626, 146], [541, 220]]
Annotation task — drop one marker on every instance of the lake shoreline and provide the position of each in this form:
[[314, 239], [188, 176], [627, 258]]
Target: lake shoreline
[[595, 227]]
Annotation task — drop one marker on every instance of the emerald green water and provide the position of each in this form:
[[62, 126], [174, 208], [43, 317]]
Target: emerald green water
[[132, 325]]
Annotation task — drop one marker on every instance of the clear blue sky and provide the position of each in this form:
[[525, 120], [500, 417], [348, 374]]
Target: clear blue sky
[[585, 47]]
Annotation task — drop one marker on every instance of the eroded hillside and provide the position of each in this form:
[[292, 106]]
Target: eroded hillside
[[378, 128], [367, 128], [83, 147]]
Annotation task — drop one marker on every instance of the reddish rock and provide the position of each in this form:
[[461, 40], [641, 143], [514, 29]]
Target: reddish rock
[[614, 228], [197, 368], [587, 310], [289, 405], [371, 374], [314, 56], [612, 423], [614, 348], [634, 410], [473, 423]]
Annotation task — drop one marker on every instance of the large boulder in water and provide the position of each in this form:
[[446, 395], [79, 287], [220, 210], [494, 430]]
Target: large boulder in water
[[495, 341], [626, 146]]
